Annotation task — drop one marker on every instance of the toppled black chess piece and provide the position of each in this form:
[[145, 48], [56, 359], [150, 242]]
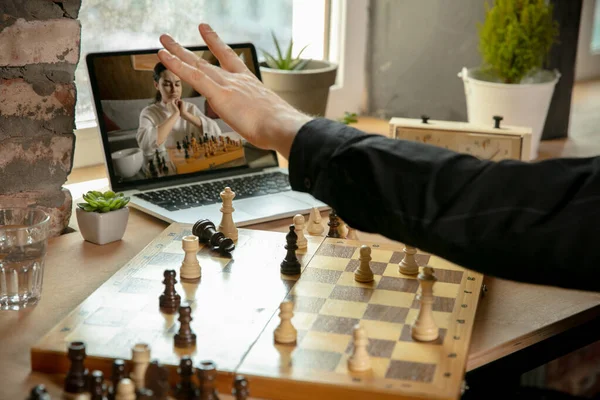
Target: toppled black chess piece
[[207, 233], [169, 300], [185, 337], [39, 392], [76, 380], [334, 223], [290, 264]]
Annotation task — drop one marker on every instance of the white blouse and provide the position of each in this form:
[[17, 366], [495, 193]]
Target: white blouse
[[155, 114]]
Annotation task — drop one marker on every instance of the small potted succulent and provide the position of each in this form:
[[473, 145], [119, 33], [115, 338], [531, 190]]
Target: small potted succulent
[[103, 217]]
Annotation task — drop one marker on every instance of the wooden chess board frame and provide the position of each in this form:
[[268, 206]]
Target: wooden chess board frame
[[195, 164], [235, 308]]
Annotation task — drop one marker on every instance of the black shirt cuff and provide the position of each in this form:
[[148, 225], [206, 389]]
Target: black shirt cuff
[[312, 149]]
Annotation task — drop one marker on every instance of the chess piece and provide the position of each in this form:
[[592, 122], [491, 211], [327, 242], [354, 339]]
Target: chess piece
[[207, 233], [187, 155], [314, 226], [285, 333], [117, 374], [424, 328], [290, 264], [157, 380], [125, 390], [39, 392], [185, 389], [364, 273], [185, 337], [240, 388], [178, 146], [302, 242], [408, 265], [342, 232], [97, 386], [334, 224], [207, 373], [227, 226], [76, 380], [140, 357], [190, 267], [359, 360], [169, 300], [351, 235]]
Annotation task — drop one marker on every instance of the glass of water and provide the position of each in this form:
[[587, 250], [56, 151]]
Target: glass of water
[[23, 243]]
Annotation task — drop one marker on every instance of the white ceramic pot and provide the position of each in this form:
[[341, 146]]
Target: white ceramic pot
[[307, 90], [520, 104], [127, 162], [102, 228]]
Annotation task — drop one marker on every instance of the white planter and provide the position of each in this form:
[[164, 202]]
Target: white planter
[[523, 104], [102, 228], [307, 90]]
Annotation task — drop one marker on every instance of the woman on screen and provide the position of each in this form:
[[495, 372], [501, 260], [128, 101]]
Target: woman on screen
[[169, 119]]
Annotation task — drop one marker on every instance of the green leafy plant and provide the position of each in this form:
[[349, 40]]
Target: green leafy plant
[[108, 201], [516, 37], [285, 62], [348, 118]]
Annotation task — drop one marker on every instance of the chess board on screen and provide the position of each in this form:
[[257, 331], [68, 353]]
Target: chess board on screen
[[275, 316]]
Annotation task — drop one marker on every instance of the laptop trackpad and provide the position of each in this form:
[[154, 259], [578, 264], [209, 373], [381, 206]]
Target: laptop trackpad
[[270, 205]]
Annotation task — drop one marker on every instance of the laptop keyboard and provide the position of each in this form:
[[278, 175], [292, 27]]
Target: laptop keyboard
[[201, 194]]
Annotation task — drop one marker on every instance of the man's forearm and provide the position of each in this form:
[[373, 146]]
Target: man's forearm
[[530, 222]]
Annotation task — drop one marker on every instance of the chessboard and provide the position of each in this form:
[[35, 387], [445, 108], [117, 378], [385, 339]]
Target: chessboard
[[194, 156], [236, 307]]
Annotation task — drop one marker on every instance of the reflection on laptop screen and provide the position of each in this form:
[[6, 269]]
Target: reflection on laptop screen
[[155, 127]]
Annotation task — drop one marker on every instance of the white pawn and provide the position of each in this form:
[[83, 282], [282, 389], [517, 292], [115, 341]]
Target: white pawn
[[359, 360], [227, 226], [408, 265], [302, 242], [342, 231], [314, 226], [140, 357], [285, 333], [190, 267], [125, 390], [363, 273], [424, 327]]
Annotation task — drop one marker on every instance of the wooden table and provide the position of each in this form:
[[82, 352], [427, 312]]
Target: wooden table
[[511, 316]]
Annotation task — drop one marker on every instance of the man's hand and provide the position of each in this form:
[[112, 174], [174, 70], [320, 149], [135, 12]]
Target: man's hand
[[235, 94]]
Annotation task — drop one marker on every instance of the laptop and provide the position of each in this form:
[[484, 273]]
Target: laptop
[[175, 168]]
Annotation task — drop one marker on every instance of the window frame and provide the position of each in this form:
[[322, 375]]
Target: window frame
[[345, 27]]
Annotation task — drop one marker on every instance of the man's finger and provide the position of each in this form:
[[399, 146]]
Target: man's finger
[[198, 79], [228, 59]]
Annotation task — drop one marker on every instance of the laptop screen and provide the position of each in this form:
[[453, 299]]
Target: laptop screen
[[156, 128]]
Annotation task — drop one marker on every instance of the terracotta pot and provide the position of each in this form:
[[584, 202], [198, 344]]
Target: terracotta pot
[[307, 89], [102, 228]]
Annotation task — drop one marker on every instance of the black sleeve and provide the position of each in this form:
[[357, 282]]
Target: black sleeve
[[531, 222]]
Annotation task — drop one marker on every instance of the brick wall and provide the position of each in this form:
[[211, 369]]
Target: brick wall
[[39, 51]]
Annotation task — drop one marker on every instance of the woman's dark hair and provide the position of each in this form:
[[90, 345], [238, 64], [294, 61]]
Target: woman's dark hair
[[159, 68]]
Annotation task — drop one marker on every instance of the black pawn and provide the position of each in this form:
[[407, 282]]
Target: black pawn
[[290, 264], [186, 153], [185, 389], [334, 223], [240, 388], [185, 337], [207, 373], [117, 374], [97, 386], [170, 300], [178, 146], [157, 380], [39, 392], [76, 380]]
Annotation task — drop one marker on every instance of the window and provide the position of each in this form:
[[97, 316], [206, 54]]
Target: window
[[334, 29], [595, 45]]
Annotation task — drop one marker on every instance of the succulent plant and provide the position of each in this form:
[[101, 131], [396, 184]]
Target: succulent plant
[[285, 62], [103, 202]]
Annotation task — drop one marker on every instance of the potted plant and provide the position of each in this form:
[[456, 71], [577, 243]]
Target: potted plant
[[514, 42], [103, 217], [303, 83]]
